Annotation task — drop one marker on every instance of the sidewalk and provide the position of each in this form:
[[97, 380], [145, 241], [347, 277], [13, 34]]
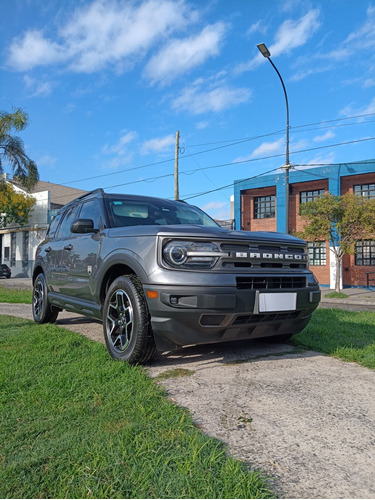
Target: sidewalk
[[359, 299]]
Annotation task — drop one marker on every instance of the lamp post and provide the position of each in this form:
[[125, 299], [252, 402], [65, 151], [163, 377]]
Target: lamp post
[[267, 54]]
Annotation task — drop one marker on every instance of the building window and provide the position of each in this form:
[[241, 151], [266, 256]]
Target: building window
[[306, 196], [365, 253], [365, 190], [317, 253], [264, 207], [6, 253]]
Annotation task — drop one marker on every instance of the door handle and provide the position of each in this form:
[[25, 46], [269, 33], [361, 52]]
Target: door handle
[[68, 247]]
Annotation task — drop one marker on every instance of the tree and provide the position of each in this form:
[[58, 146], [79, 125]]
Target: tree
[[14, 207], [343, 220], [12, 148]]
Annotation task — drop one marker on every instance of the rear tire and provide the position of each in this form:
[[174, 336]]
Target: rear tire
[[43, 311], [126, 322]]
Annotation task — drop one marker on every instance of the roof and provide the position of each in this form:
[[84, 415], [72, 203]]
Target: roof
[[60, 195]]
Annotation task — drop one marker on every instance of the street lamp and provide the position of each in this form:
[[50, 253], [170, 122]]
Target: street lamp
[[267, 54]]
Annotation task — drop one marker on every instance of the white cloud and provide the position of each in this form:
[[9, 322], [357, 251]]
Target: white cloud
[[324, 137], [220, 97], [218, 209], [369, 82], [257, 27], [351, 110], [290, 35], [202, 125], [46, 160], [179, 56], [37, 88], [158, 145], [34, 50], [326, 159], [269, 148], [120, 147], [102, 33], [358, 41]]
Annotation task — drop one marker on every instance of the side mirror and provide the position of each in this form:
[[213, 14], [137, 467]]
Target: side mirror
[[83, 226]]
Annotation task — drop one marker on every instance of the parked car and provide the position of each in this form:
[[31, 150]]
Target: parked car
[[162, 273], [5, 271]]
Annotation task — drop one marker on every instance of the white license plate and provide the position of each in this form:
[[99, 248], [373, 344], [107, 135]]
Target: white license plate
[[273, 302]]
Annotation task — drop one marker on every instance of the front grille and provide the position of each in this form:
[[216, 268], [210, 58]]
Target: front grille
[[258, 255], [270, 282]]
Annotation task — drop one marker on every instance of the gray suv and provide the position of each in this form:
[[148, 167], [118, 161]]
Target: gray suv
[[161, 274]]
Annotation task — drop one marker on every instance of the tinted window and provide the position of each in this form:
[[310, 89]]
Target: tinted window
[[68, 219], [91, 210], [53, 226]]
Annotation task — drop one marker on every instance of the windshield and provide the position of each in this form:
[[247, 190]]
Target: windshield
[[128, 212]]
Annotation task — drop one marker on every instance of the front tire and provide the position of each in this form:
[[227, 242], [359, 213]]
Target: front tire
[[126, 322], [43, 311]]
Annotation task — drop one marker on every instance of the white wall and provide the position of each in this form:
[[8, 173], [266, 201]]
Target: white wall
[[36, 229]]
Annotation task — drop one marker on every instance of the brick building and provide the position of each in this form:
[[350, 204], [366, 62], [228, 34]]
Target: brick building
[[259, 205]]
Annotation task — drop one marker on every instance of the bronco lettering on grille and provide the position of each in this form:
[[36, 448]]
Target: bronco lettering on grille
[[276, 256]]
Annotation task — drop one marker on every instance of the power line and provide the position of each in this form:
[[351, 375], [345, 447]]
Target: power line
[[189, 197], [239, 162], [232, 142]]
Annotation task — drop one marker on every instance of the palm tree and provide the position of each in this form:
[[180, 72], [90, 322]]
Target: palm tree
[[12, 148]]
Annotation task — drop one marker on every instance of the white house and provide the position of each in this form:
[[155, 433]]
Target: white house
[[18, 244]]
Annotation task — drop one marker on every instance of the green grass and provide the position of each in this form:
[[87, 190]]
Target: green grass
[[344, 334], [336, 295], [76, 424], [15, 296]]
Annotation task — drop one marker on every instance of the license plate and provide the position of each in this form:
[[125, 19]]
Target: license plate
[[273, 302]]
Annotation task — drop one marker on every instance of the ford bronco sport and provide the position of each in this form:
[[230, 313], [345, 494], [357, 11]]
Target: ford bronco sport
[[161, 274]]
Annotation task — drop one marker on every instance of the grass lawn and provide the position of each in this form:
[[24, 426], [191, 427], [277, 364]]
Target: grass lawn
[[344, 334], [15, 296], [76, 424]]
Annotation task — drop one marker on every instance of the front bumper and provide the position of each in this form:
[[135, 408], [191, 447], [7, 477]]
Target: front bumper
[[183, 315]]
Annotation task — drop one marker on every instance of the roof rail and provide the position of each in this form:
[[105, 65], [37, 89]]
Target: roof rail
[[98, 190]]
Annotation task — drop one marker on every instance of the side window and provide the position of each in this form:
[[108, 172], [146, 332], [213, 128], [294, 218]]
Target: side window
[[91, 210], [53, 226], [68, 219]]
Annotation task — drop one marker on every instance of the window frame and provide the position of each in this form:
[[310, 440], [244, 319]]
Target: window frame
[[359, 258], [365, 190], [312, 195], [317, 252], [265, 207]]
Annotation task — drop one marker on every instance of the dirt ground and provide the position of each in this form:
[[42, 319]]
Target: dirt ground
[[305, 419]]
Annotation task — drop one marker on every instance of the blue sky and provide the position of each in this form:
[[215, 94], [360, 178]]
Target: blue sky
[[107, 83]]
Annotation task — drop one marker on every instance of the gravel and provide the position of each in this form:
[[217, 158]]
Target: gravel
[[303, 418]]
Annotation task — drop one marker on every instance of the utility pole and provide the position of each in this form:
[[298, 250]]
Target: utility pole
[[176, 151]]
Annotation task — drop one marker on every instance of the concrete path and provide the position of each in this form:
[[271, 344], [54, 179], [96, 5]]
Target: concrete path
[[306, 419]]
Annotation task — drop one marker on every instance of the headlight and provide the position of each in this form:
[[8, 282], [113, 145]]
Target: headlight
[[191, 254]]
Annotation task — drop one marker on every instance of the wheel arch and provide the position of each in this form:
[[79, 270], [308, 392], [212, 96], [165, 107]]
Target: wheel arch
[[37, 270], [115, 271]]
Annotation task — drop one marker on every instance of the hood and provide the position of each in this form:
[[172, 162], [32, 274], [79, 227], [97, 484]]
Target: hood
[[191, 231]]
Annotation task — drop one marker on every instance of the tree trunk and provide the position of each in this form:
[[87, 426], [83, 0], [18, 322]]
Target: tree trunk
[[338, 273]]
